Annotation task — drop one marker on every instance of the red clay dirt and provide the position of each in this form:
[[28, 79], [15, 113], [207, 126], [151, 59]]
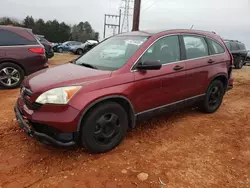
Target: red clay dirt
[[182, 149]]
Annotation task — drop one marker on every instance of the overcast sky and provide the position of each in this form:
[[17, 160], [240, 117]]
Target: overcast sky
[[229, 18]]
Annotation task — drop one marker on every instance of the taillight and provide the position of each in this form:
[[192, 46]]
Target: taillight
[[39, 50]]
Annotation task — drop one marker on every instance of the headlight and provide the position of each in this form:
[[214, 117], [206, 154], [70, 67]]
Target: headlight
[[60, 95]]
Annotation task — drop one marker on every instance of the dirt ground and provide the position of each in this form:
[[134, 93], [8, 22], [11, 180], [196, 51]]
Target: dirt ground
[[183, 149]]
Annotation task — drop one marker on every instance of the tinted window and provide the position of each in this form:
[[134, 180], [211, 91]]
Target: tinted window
[[44, 40], [9, 38], [215, 47], [166, 50], [195, 47], [234, 46], [242, 46]]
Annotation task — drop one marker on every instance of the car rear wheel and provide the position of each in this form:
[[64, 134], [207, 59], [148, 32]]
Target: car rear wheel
[[79, 51], [104, 127], [239, 62], [11, 75], [214, 97], [60, 50]]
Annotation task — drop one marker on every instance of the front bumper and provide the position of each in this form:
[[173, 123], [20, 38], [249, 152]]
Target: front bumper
[[43, 137]]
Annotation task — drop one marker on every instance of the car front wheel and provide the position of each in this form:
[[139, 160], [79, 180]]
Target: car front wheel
[[79, 51], [214, 97], [60, 50], [104, 127]]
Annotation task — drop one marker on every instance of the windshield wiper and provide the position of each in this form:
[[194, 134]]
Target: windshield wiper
[[89, 65]]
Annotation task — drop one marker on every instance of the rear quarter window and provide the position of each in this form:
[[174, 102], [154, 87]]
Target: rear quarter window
[[215, 47], [242, 46], [10, 38]]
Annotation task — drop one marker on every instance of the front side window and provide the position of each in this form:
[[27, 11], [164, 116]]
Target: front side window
[[112, 53], [215, 47], [195, 47], [9, 38], [166, 50]]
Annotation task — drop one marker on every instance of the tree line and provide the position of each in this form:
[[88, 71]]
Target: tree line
[[55, 31]]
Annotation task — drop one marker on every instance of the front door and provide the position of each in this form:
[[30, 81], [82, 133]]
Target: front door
[[157, 88]]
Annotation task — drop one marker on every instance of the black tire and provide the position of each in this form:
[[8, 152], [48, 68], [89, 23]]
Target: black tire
[[213, 101], [60, 50], [97, 125], [18, 75], [79, 52], [239, 62]]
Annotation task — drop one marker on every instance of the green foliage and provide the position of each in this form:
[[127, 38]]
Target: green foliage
[[55, 31]]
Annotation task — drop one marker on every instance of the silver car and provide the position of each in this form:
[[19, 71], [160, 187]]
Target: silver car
[[83, 48]]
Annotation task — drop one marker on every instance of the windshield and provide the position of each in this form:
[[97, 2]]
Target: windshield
[[112, 53], [65, 43]]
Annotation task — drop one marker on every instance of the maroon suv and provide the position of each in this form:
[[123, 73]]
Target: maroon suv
[[20, 55], [95, 99]]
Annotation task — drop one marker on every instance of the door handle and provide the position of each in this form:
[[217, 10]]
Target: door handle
[[210, 61], [178, 67]]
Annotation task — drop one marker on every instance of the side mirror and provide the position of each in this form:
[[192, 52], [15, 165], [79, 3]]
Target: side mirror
[[149, 65]]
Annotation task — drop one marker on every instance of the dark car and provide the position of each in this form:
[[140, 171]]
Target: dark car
[[94, 100], [248, 57], [238, 49], [49, 52], [20, 55]]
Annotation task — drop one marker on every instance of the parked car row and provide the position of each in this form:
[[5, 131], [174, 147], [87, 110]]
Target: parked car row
[[75, 47], [65, 47], [149, 73], [83, 48]]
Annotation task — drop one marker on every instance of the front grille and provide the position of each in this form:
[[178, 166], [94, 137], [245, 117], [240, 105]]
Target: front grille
[[32, 106], [26, 94]]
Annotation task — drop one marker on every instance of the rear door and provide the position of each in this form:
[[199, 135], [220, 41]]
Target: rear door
[[204, 59], [165, 86], [197, 64]]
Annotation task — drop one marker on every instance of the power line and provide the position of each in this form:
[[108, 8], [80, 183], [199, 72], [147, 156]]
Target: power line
[[149, 6]]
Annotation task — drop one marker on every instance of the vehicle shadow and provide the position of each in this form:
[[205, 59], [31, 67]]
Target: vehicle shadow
[[144, 125]]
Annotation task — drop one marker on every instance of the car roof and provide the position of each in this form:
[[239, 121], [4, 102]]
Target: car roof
[[10, 27], [228, 40], [155, 32]]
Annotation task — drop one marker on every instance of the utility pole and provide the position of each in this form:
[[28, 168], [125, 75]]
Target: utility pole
[[114, 26], [136, 16], [126, 14]]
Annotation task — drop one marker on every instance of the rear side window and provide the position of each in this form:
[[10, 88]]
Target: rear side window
[[234, 46], [195, 47], [9, 38], [242, 46], [215, 47]]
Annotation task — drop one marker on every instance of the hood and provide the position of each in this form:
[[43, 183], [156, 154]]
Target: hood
[[62, 75]]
